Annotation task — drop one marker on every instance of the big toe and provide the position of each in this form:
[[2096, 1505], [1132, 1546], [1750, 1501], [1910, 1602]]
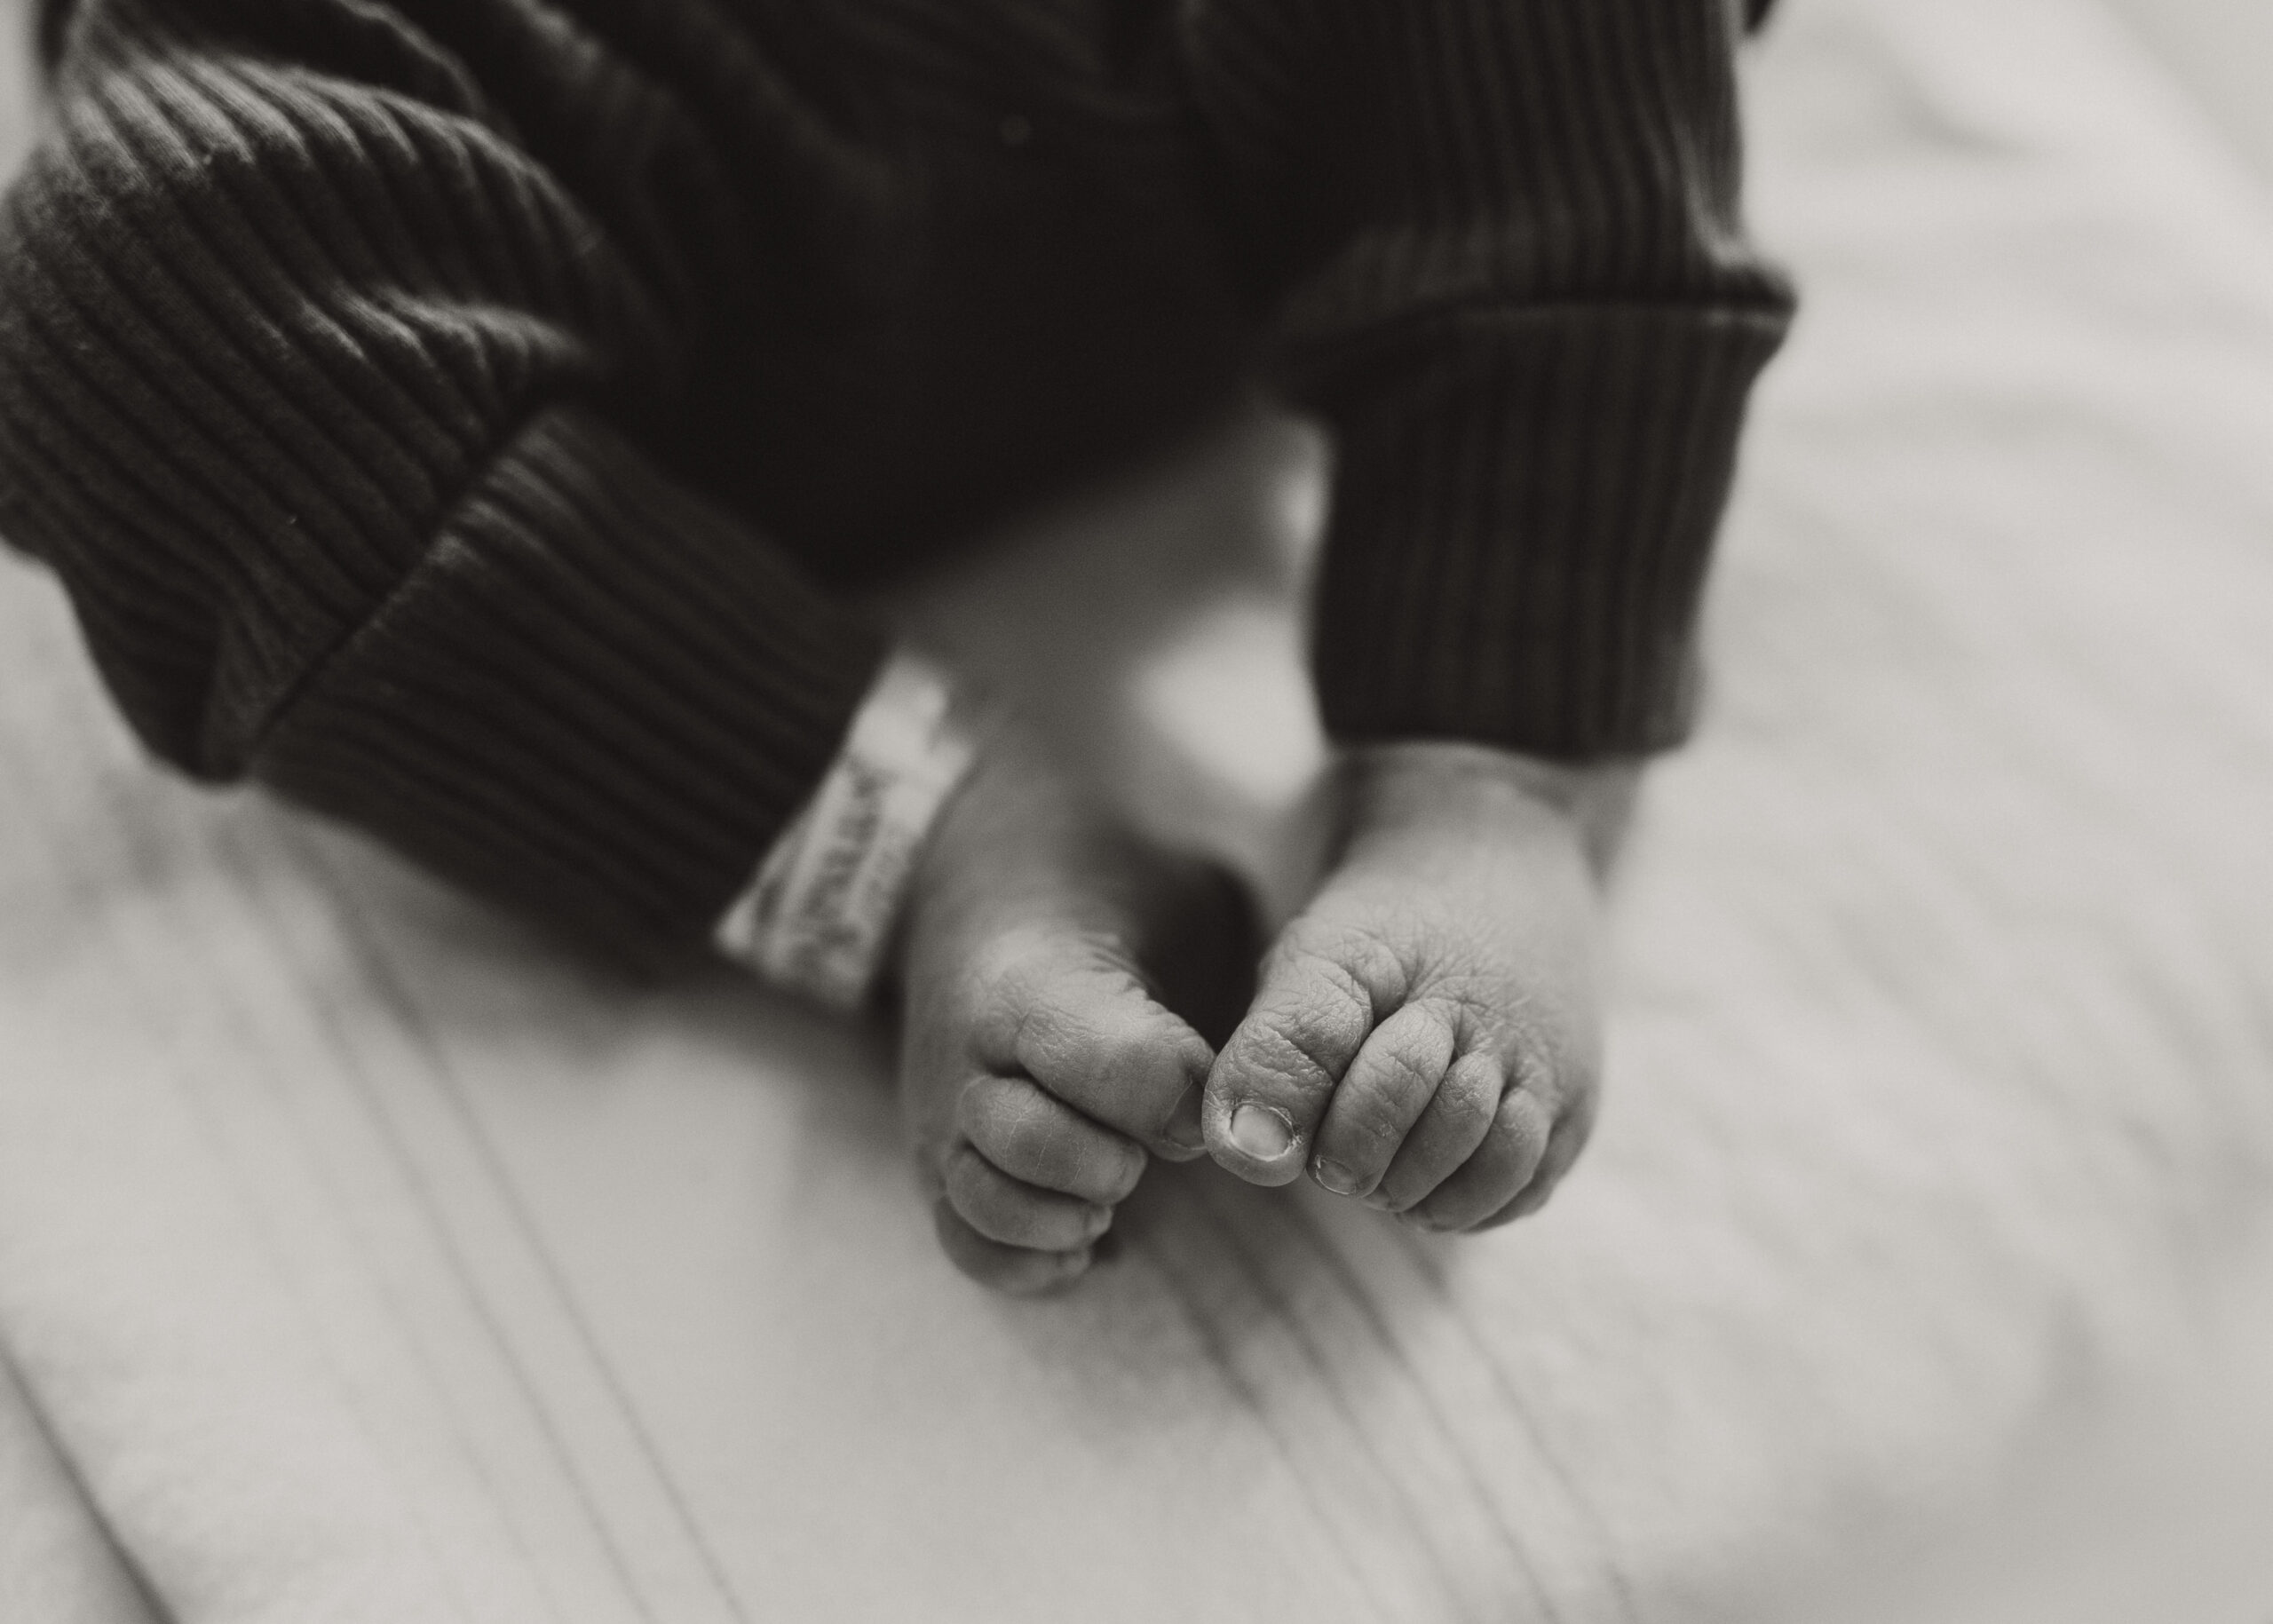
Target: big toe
[[1093, 1037], [1270, 1085]]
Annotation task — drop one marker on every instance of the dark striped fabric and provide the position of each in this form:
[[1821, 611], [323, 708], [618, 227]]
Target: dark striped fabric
[[464, 415]]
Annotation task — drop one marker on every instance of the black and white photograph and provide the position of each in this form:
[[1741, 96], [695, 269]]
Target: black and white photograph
[[1135, 812]]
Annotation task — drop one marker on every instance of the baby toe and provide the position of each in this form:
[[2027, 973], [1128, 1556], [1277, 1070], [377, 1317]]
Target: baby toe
[[1457, 1120], [1383, 1095], [1100, 1044], [1569, 1138], [1009, 1211], [1502, 1167], [1019, 1272], [1277, 1075], [1043, 1142]]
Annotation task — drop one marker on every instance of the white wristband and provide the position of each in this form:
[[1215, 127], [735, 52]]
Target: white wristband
[[818, 918]]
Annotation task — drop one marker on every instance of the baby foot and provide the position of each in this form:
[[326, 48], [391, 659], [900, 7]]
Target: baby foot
[[1425, 1036], [1040, 1062]]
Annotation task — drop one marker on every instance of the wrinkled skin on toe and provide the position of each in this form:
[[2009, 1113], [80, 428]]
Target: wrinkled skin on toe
[[1425, 1036], [1042, 1060]]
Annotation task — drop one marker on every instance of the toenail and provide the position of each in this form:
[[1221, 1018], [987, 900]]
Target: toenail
[[1184, 1130], [1262, 1132], [1335, 1176]]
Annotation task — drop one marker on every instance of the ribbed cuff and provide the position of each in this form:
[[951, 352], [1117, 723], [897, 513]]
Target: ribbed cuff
[[1522, 511], [595, 696]]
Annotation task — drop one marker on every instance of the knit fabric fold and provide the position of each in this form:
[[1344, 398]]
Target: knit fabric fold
[[455, 413], [310, 390], [1501, 246], [595, 696], [1523, 514]]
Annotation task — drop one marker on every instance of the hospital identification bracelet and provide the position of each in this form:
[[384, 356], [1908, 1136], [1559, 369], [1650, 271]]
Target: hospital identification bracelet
[[819, 917]]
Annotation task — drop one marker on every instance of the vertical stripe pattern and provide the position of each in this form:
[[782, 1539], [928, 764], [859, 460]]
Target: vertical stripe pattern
[[446, 410], [1499, 246]]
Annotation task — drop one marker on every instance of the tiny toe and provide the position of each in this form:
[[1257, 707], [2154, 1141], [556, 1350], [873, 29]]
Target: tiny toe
[[1019, 1272], [1383, 1095], [1043, 1141], [1099, 1042], [1503, 1165], [1004, 1209], [1570, 1137], [1457, 1120], [1506, 1215], [1277, 1072], [1183, 1140]]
